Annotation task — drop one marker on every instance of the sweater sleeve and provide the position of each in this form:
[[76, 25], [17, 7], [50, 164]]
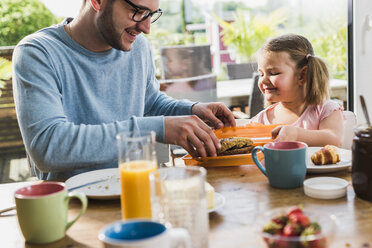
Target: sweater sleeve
[[56, 144]]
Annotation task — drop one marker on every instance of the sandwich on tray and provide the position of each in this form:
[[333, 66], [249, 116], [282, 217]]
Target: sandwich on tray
[[235, 145]]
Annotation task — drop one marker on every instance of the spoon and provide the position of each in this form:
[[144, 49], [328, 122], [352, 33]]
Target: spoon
[[364, 107]]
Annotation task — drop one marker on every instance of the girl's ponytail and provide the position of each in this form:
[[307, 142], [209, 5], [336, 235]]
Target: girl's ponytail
[[317, 77]]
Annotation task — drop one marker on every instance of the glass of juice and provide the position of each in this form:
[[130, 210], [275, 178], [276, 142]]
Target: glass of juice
[[137, 158]]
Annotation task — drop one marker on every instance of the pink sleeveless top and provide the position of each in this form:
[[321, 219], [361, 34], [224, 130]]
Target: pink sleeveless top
[[310, 118]]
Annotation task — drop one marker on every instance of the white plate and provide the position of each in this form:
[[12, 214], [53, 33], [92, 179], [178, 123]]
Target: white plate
[[109, 189], [219, 202], [345, 161]]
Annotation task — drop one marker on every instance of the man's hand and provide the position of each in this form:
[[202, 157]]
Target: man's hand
[[190, 132], [215, 114], [285, 133]]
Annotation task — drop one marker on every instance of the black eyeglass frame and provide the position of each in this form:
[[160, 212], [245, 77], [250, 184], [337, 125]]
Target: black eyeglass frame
[[137, 8]]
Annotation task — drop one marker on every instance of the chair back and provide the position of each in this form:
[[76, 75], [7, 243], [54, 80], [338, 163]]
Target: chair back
[[349, 123], [185, 61], [241, 70], [187, 74], [256, 99]]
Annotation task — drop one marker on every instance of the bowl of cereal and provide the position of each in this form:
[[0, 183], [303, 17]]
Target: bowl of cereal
[[295, 227]]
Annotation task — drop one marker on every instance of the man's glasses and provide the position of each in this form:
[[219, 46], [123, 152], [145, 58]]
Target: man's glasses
[[141, 14]]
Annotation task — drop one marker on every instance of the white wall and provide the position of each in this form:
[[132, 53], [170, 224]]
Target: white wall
[[362, 56], [65, 8]]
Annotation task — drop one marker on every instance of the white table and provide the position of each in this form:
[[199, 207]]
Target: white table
[[234, 92], [234, 88]]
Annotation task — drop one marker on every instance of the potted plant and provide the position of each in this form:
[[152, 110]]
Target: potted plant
[[248, 32]]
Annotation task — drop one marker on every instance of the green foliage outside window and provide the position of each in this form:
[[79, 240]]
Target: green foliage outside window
[[332, 47], [19, 18]]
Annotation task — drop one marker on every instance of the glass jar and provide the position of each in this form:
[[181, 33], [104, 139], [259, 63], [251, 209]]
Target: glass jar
[[362, 162]]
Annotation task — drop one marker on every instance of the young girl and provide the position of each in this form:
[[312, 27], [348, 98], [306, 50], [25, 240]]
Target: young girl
[[296, 82]]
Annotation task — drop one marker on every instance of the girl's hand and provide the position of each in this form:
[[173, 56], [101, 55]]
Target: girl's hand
[[285, 133]]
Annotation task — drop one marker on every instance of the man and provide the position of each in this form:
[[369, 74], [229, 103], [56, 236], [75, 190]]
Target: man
[[79, 83]]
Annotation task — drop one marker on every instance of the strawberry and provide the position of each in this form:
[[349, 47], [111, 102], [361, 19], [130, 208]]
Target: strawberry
[[294, 210], [291, 229], [281, 219], [294, 223], [304, 221], [300, 219], [294, 217]]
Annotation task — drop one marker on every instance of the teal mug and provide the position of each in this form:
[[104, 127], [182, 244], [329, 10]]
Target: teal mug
[[285, 163]]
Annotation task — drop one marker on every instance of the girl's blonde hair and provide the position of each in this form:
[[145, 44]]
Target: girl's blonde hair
[[301, 52]]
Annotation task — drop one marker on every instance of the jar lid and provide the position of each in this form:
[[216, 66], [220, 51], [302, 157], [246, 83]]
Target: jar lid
[[363, 130], [325, 187]]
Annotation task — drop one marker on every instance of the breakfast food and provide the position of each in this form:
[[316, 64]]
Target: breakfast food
[[209, 191], [326, 155], [235, 145], [294, 223]]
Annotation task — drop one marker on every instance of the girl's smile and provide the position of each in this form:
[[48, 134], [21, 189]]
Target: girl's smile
[[269, 90]]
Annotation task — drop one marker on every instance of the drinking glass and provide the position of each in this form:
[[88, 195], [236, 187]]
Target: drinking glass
[[178, 199], [137, 158]]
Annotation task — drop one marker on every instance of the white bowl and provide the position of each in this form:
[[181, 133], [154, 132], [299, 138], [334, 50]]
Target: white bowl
[[325, 187]]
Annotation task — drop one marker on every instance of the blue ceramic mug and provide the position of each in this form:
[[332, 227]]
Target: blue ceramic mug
[[139, 233], [285, 163]]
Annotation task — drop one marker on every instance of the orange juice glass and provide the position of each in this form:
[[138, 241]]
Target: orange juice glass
[[137, 158], [135, 188]]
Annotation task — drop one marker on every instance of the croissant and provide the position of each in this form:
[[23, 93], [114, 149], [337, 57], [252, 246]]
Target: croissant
[[326, 155]]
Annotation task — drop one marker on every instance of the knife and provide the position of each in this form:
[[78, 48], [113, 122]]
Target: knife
[[87, 184], [68, 189]]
